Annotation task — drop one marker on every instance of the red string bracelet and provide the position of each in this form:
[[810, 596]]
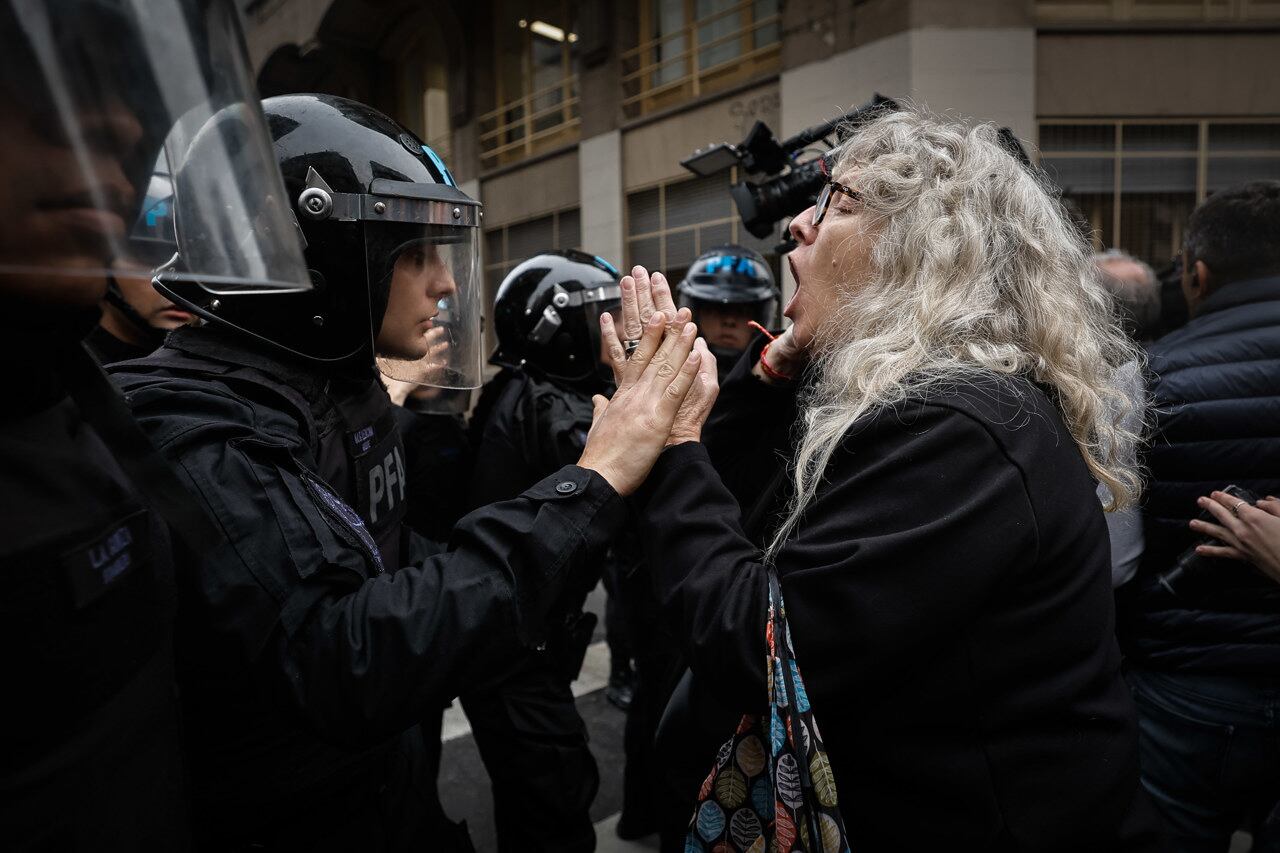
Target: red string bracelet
[[775, 375]]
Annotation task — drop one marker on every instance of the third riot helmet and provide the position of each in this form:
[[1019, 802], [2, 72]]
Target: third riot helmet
[[726, 288]]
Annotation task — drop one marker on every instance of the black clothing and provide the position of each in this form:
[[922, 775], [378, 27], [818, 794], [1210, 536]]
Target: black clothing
[[522, 427], [436, 450], [108, 349], [1216, 403], [528, 730], [309, 654], [91, 750], [949, 595]]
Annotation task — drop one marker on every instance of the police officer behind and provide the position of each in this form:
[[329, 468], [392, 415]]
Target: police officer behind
[[531, 420], [314, 650], [727, 289], [136, 317], [89, 754]]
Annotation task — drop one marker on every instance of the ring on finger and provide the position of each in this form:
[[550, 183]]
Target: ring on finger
[[629, 346], [1235, 510]]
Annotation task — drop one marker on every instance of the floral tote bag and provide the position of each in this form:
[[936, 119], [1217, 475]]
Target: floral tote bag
[[771, 790]]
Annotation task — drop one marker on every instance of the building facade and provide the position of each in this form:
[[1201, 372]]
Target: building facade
[[569, 118]]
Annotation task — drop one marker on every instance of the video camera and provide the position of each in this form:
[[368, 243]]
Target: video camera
[[792, 185]]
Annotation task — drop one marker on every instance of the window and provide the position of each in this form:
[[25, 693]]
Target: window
[[1094, 11], [506, 246], [1135, 182], [688, 48], [669, 225], [536, 44]]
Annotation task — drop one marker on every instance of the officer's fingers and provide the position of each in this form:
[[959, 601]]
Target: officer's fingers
[[662, 300], [643, 354], [617, 355], [674, 394], [1221, 551], [644, 291], [632, 326], [1270, 504]]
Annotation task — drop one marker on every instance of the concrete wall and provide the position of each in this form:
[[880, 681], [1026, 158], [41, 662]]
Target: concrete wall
[[537, 189], [978, 74], [600, 177], [1170, 74], [652, 152]]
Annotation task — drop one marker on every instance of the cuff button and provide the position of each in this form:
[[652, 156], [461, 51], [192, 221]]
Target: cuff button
[[567, 488]]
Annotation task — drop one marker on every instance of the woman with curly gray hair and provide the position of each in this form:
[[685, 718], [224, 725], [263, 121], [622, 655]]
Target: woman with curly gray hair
[[946, 402]]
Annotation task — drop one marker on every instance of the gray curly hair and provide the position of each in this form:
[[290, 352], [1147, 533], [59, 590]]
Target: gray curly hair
[[975, 266]]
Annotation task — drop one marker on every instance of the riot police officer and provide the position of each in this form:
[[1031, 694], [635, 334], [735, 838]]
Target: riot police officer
[[135, 317], [313, 650], [728, 288], [89, 90], [531, 419]]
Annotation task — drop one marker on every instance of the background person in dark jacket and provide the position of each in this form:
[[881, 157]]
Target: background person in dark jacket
[[945, 560], [1204, 663]]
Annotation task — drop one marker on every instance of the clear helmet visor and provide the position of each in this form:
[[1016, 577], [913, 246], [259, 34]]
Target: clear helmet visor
[[111, 104], [431, 329]]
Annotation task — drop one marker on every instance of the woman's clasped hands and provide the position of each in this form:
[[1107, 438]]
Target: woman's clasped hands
[[665, 386]]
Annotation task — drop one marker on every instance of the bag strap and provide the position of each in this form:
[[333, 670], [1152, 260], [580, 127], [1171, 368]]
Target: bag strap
[[789, 672]]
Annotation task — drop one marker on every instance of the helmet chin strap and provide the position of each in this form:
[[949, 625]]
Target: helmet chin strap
[[115, 297]]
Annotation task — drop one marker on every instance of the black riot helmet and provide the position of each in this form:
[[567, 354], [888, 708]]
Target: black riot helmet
[[547, 315], [726, 288], [730, 275], [372, 204]]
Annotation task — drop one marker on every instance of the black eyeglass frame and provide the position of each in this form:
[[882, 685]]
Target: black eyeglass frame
[[824, 199]]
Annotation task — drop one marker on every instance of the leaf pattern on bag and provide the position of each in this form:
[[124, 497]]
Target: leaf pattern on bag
[[832, 837], [750, 754], [824, 781], [731, 789], [744, 828], [788, 780], [784, 833], [762, 799], [726, 750], [780, 797], [777, 732], [779, 686], [802, 698], [710, 820]]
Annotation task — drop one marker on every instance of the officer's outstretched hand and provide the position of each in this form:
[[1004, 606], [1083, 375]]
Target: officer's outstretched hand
[[629, 431]]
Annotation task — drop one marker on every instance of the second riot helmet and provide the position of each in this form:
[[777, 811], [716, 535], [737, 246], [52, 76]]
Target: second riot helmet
[[547, 314]]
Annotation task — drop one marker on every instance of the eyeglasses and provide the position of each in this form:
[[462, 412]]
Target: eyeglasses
[[824, 199]]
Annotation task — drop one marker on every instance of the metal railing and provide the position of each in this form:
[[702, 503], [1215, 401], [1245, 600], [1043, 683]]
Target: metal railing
[[643, 91], [521, 128], [1155, 11]]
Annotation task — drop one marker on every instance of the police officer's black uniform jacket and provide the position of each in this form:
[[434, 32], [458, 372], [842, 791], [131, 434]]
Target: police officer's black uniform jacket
[[329, 631], [524, 428], [90, 751]]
